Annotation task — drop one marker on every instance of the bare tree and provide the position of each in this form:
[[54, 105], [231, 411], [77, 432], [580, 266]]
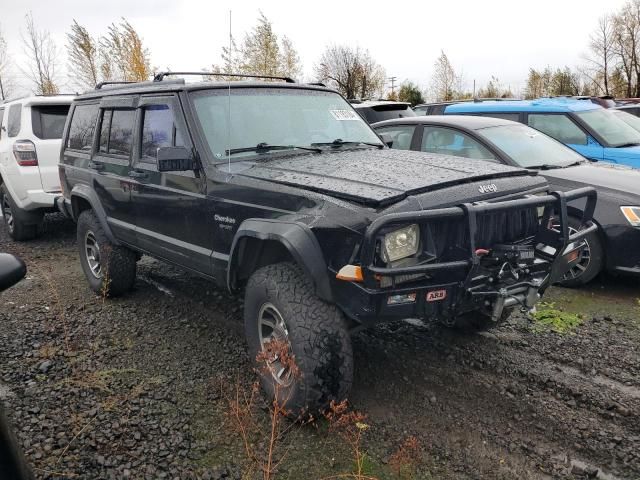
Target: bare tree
[[352, 71], [83, 52], [43, 58], [5, 83], [444, 80], [601, 46]]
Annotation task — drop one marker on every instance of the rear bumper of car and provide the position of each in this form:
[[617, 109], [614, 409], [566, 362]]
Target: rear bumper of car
[[448, 289]]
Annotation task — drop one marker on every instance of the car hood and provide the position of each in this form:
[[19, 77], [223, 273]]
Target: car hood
[[599, 175], [376, 177]]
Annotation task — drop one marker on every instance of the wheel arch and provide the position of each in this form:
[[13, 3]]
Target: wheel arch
[[260, 242], [84, 198]]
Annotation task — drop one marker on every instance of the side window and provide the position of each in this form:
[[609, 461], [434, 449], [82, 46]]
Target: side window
[[1, 124], [451, 142], [401, 135], [514, 117], [83, 123], [559, 127], [116, 131], [158, 130], [13, 121]]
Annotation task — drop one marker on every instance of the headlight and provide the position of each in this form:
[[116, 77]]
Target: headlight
[[632, 214], [401, 243]]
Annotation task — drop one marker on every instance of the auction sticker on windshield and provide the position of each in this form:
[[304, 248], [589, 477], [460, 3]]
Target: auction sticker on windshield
[[345, 115]]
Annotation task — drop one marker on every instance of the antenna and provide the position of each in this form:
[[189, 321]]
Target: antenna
[[229, 102]]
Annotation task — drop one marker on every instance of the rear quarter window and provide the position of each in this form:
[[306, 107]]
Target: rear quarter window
[[14, 119], [47, 121], [83, 123]]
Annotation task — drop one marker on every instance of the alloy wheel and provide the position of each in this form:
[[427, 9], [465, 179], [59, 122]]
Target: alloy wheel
[[92, 254], [271, 327], [7, 213]]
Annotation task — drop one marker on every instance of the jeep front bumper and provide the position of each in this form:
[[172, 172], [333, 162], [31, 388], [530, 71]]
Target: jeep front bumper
[[446, 289]]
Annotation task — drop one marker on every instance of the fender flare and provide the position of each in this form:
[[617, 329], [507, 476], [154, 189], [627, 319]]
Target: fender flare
[[87, 193], [297, 238]]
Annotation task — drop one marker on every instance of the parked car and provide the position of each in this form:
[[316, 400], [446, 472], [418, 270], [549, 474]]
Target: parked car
[[282, 189], [437, 108], [627, 116], [614, 247], [592, 131], [30, 132], [630, 108], [378, 110]]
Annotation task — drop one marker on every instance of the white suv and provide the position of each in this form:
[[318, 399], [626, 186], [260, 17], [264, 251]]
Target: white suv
[[30, 133]]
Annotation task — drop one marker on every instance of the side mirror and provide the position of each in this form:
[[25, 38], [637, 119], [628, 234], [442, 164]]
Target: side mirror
[[175, 159], [12, 270], [386, 139]]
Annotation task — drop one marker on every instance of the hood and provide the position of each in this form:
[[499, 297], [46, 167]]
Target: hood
[[376, 177], [599, 175], [626, 156]]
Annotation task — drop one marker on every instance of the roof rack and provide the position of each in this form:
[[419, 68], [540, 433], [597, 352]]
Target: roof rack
[[160, 76], [102, 84]]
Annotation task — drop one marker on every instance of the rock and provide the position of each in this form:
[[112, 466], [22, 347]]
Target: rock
[[45, 366]]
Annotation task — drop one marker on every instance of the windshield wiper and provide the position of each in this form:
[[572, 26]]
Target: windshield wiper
[[630, 144], [263, 147], [338, 142], [546, 166]]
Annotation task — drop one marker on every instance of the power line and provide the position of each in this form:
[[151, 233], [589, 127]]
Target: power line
[[393, 84]]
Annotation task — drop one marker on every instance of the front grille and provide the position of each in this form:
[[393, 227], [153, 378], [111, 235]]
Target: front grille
[[511, 226]]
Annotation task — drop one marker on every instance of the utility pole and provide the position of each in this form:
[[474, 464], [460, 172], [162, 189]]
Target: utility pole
[[393, 85]]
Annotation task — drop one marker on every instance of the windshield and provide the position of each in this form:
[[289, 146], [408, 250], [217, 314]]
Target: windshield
[[614, 131], [528, 147], [628, 118], [276, 117]]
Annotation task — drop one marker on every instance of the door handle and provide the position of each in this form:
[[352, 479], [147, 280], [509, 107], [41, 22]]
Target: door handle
[[96, 166], [138, 174]]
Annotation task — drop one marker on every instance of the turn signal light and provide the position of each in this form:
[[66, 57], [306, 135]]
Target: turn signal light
[[351, 273], [632, 214]]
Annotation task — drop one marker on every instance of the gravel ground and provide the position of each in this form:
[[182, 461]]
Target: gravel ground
[[132, 387]]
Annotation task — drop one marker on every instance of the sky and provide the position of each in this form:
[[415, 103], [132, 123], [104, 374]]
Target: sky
[[481, 38]]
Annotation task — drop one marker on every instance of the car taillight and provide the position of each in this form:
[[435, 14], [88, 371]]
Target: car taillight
[[25, 153]]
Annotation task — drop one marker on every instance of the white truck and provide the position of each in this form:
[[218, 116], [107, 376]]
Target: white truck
[[30, 135]]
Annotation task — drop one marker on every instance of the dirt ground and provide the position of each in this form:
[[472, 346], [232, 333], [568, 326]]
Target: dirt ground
[[134, 387]]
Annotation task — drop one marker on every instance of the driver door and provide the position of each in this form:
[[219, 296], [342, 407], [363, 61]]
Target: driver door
[[171, 217]]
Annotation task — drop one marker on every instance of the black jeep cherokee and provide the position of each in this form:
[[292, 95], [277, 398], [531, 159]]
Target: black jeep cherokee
[[283, 190]]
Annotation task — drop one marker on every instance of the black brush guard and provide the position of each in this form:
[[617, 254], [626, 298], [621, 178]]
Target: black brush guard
[[550, 245]]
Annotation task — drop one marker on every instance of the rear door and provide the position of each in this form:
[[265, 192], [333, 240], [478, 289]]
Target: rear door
[[47, 125], [111, 162], [170, 207]]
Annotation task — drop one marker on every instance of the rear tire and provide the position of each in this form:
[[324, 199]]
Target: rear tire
[[591, 259], [110, 269], [16, 227], [315, 331]]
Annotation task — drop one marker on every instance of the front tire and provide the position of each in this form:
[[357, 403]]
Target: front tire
[[280, 303], [110, 269], [16, 227]]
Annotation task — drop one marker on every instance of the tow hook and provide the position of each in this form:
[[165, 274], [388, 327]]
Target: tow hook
[[526, 297]]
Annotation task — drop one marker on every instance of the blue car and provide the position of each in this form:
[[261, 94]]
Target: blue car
[[596, 133]]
